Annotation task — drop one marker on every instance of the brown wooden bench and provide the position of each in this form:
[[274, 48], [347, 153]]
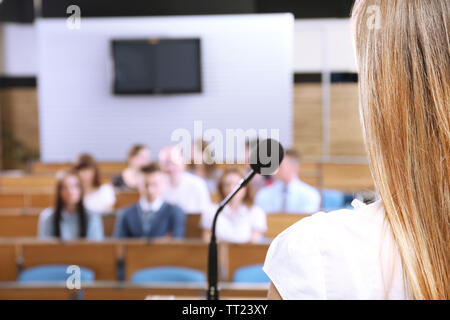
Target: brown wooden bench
[[126, 198], [33, 183], [27, 181], [241, 255], [141, 255], [15, 200], [26, 199], [278, 222], [18, 225], [331, 175], [8, 262], [29, 292], [100, 257], [106, 168], [137, 254], [193, 229], [106, 290]]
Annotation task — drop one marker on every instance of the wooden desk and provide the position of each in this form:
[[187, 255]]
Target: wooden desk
[[126, 198], [18, 225], [20, 199], [102, 290], [137, 254], [101, 257], [14, 200], [8, 262], [278, 222], [106, 168], [241, 255], [193, 229], [24, 223], [189, 254], [27, 181]]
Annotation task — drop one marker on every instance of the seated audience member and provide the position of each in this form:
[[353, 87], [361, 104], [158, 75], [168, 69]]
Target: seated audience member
[[138, 156], [184, 189], [240, 221], [152, 216], [98, 198], [69, 219], [204, 166], [288, 193]]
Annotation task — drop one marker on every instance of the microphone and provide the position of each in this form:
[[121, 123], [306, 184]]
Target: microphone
[[265, 158]]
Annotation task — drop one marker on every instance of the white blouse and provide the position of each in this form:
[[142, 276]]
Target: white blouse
[[101, 200], [235, 226], [191, 194], [344, 254]]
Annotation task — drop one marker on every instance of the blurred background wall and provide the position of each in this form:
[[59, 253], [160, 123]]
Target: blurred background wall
[[324, 121]]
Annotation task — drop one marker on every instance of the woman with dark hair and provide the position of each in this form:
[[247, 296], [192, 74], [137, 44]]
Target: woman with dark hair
[[138, 157], [98, 198], [240, 221], [69, 219]]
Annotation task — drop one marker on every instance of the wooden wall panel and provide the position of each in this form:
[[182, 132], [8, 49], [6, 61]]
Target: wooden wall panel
[[347, 177], [345, 129], [308, 119]]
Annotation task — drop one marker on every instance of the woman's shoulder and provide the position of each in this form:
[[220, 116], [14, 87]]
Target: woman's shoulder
[[327, 253], [46, 214]]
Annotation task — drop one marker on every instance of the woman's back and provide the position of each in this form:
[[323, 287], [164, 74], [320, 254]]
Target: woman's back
[[344, 254], [403, 60]]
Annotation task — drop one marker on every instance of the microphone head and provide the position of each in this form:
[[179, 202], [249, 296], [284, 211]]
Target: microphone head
[[266, 156]]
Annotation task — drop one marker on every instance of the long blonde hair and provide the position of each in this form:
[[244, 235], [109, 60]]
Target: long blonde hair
[[403, 58]]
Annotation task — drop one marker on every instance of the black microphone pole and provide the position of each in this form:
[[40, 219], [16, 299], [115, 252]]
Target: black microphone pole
[[264, 159], [213, 291]]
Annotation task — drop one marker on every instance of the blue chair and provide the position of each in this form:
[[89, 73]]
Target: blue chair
[[252, 274], [53, 272], [167, 274], [332, 200]]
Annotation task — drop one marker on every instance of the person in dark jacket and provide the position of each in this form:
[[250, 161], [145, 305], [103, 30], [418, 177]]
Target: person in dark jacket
[[151, 216]]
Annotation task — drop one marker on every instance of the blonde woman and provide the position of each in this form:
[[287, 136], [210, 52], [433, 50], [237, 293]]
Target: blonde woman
[[397, 247]]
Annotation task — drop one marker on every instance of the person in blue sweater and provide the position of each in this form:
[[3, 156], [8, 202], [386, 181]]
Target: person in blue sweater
[[151, 216]]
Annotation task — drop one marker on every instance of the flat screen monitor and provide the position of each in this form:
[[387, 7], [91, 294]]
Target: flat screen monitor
[[157, 66]]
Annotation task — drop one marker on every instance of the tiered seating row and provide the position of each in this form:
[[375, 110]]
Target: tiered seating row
[[18, 224], [104, 258]]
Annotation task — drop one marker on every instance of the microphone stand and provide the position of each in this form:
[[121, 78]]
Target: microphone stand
[[213, 292]]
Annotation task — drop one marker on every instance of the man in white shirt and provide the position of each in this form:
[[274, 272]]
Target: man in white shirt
[[183, 189], [288, 193]]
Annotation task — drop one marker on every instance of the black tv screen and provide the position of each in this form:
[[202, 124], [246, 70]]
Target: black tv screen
[[157, 66]]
